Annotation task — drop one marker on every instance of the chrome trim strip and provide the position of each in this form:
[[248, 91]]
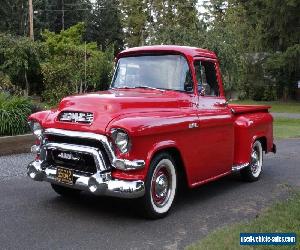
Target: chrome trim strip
[[98, 184], [122, 164], [238, 167]]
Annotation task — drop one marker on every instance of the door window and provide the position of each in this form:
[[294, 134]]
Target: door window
[[206, 78]]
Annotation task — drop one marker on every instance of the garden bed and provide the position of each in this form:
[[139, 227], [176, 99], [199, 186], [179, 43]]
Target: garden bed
[[16, 144]]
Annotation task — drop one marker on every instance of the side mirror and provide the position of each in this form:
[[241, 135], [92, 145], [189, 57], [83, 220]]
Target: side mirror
[[201, 90]]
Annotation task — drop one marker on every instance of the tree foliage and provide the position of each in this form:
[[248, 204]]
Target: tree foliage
[[56, 15], [73, 66], [13, 17], [256, 41], [20, 60], [104, 25], [135, 14], [175, 22]]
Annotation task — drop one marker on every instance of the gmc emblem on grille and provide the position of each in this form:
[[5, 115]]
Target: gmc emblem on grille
[[77, 117], [68, 156]]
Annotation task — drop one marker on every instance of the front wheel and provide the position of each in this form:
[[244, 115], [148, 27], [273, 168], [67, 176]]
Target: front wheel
[[253, 171], [161, 186]]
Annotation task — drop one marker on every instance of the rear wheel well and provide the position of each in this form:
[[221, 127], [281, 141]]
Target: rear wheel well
[[175, 153], [263, 141]]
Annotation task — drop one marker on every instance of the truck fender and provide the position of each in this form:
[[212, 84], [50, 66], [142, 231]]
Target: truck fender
[[160, 146]]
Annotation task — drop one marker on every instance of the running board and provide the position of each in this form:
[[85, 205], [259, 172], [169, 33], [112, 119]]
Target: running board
[[236, 168]]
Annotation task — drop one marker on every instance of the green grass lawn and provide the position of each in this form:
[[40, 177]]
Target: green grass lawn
[[280, 107], [281, 217], [286, 128]]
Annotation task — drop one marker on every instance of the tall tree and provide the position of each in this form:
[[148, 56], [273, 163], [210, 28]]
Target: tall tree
[[135, 14], [13, 15], [273, 35], [57, 15], [175, 22], [221, 36], [104, 25]]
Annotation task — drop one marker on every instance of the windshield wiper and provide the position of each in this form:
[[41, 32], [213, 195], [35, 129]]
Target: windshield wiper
[[147, 87], [123, 87], [138, 87]]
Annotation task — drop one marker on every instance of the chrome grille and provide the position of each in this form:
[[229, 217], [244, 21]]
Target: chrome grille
[[79, 162]]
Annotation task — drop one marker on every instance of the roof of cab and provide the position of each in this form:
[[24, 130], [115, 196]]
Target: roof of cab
[[185, 50]]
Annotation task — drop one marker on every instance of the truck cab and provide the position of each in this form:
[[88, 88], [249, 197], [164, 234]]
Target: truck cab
[[164, 122]]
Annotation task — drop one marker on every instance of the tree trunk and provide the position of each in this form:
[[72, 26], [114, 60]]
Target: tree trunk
[[27, 84], [80, 90]]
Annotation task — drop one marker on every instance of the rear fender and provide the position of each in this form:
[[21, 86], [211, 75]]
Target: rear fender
[[249, 128]]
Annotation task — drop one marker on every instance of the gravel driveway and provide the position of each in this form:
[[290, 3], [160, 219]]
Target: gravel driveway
[[34, 217]]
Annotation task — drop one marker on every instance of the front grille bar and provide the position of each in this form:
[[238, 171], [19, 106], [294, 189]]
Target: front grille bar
[[98, 158], [122, 164], [84, 135]]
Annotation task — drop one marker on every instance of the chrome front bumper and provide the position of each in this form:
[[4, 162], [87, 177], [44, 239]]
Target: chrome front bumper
[[98, 184]]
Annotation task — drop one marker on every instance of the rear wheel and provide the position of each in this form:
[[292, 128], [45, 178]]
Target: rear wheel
[[253, 171], [65, 191], [161, 186]]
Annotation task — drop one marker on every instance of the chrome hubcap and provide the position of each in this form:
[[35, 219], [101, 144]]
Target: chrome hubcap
[[256, 160], [161, 186]]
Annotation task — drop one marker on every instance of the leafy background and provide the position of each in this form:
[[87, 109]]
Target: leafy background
[[257, 42]]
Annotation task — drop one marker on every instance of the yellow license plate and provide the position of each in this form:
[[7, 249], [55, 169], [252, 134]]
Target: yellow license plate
[[64, 175]]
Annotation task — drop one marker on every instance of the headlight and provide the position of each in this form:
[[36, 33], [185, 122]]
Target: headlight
[[121, 140], [36, 129]]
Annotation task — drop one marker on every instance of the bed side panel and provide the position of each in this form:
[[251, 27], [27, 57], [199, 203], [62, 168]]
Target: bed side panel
[[247, 128]]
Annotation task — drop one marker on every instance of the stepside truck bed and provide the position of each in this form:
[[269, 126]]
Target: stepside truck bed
[[252, 122]]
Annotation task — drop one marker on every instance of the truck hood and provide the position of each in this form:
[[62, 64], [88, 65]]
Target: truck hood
[[107, 105]]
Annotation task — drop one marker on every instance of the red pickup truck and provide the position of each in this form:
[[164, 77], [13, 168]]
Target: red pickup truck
[[163, 123]]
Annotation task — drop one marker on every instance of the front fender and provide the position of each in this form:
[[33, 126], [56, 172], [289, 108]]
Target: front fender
[[40, 116], [160, 146], [150, 133], [144, 124]]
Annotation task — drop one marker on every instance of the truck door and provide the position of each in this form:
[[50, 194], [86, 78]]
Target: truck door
[[215, 125]]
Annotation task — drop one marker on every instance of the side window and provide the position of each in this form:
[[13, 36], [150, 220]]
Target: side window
[[206, 78]]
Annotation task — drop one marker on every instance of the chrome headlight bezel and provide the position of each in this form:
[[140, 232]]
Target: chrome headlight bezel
[[121, 140], [36, 129]]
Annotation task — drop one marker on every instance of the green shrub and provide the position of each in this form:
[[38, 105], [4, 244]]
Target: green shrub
[[14, 111]]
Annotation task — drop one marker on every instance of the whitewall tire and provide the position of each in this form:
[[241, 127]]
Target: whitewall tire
[[253, 171], [161, 186]]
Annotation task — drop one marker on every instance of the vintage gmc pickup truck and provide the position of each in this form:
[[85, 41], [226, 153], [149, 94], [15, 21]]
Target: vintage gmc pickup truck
[[164, 122]]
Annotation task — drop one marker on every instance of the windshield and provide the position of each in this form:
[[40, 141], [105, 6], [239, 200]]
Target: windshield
[[153, 71]]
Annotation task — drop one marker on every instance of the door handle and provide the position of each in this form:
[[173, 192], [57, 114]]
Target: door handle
[[221, 104]]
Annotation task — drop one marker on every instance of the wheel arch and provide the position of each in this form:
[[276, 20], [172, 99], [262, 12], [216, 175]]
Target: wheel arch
[[174, 151], [263, 141]]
